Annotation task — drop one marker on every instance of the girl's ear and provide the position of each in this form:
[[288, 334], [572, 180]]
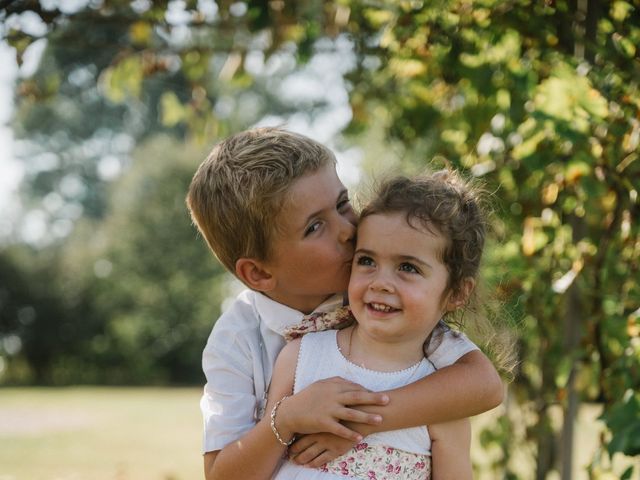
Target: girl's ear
[[254, 275], [460, 297]]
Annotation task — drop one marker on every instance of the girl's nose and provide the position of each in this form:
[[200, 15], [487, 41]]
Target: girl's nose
[[381, 283]]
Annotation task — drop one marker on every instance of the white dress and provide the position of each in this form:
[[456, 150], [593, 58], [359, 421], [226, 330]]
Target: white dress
[[398, 454]]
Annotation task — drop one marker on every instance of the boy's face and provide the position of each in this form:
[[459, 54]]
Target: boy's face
[[313, 249], [398, 284]]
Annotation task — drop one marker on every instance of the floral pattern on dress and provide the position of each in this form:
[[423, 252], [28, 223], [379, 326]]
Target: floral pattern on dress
[[378, 462]]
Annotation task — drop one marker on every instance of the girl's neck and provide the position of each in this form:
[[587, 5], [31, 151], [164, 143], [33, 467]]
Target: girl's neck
[[376, 354]]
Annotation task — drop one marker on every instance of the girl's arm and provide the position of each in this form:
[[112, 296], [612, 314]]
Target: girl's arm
[[319, 407], [450, 450], [468, 387]]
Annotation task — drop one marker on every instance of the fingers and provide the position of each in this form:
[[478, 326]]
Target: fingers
[[319, 448], [364, 398], [356, 416], [308, 454], [321, 459], [350, 393], [301, 445], [344, 384], [341, 431]]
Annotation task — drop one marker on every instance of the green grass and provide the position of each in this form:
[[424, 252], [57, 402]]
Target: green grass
[[100, 433]]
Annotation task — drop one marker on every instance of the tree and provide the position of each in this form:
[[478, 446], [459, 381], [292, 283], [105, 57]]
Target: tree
[[33, 326], [114, 73], [127, 300], [541, 100], [153, 282]]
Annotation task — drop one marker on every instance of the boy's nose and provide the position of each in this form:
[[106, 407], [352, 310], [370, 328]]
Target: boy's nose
[[347, 231]]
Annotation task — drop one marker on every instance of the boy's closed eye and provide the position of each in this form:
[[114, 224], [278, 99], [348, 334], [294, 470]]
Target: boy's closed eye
[[315, 226], [343, 204]]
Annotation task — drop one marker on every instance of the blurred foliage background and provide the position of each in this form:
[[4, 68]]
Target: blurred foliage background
[[104, 281]]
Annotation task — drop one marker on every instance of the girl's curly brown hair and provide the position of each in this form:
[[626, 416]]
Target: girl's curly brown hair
[[445, 203]]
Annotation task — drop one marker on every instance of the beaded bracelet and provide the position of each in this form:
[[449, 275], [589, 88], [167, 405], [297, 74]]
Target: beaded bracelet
[[273, 423]]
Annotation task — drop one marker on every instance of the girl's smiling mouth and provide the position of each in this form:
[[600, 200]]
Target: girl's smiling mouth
[[381, 307]]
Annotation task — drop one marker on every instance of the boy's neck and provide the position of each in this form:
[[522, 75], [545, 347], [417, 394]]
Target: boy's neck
[[304, 305]]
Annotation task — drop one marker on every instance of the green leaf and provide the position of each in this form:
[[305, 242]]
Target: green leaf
[[406, 68], [571, 99], [563, 369], [529, 146], [620, 10], [378, 18], [21, 42], [626, 475], [575, 170], [140, 33], [124, 80], [623, 419], [172, 111], [624, 45]]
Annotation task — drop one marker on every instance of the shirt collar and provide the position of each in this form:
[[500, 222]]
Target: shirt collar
[[277, 316]]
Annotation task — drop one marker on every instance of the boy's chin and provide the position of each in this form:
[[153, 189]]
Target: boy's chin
[[343, 286]]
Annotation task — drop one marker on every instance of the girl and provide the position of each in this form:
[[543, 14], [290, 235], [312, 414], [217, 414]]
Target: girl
[[418, 251]]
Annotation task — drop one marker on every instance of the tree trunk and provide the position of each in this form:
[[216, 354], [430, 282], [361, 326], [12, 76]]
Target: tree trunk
[[574, 317], [546, 443]]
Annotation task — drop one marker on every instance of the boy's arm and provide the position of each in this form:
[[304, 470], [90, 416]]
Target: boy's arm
[[319, 407], [259, 443], [450, 450], [468, 387]]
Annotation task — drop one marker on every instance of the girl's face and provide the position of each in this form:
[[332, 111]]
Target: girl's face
[[397, 289]]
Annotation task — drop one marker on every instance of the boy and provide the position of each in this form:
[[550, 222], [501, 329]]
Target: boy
[[273, 211]]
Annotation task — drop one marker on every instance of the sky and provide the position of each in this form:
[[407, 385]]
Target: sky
[[8, 166], [10, 169]]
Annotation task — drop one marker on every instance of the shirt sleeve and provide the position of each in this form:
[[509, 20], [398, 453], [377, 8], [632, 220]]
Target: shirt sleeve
[[228, 402], [451, 345]]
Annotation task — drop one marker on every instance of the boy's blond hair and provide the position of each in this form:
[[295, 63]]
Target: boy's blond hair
[[237, 193]]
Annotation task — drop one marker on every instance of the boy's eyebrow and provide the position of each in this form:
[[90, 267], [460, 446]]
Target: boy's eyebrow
[[343, 193], [405, 258]]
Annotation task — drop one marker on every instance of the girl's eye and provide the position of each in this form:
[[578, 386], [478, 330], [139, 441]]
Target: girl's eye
[[312, 228], [409, 268], [364, 261]]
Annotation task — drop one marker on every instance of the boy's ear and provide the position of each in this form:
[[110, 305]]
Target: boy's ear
[[461, 296], [253, 274]]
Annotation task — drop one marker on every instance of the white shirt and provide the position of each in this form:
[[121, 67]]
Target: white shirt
[[238, 362], [239, 357]]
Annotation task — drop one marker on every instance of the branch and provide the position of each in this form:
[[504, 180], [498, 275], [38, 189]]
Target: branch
[[20, 6], [599, 262]]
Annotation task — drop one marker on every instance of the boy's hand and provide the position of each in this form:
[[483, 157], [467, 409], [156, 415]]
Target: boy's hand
[[316, 449], [322, 405]]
